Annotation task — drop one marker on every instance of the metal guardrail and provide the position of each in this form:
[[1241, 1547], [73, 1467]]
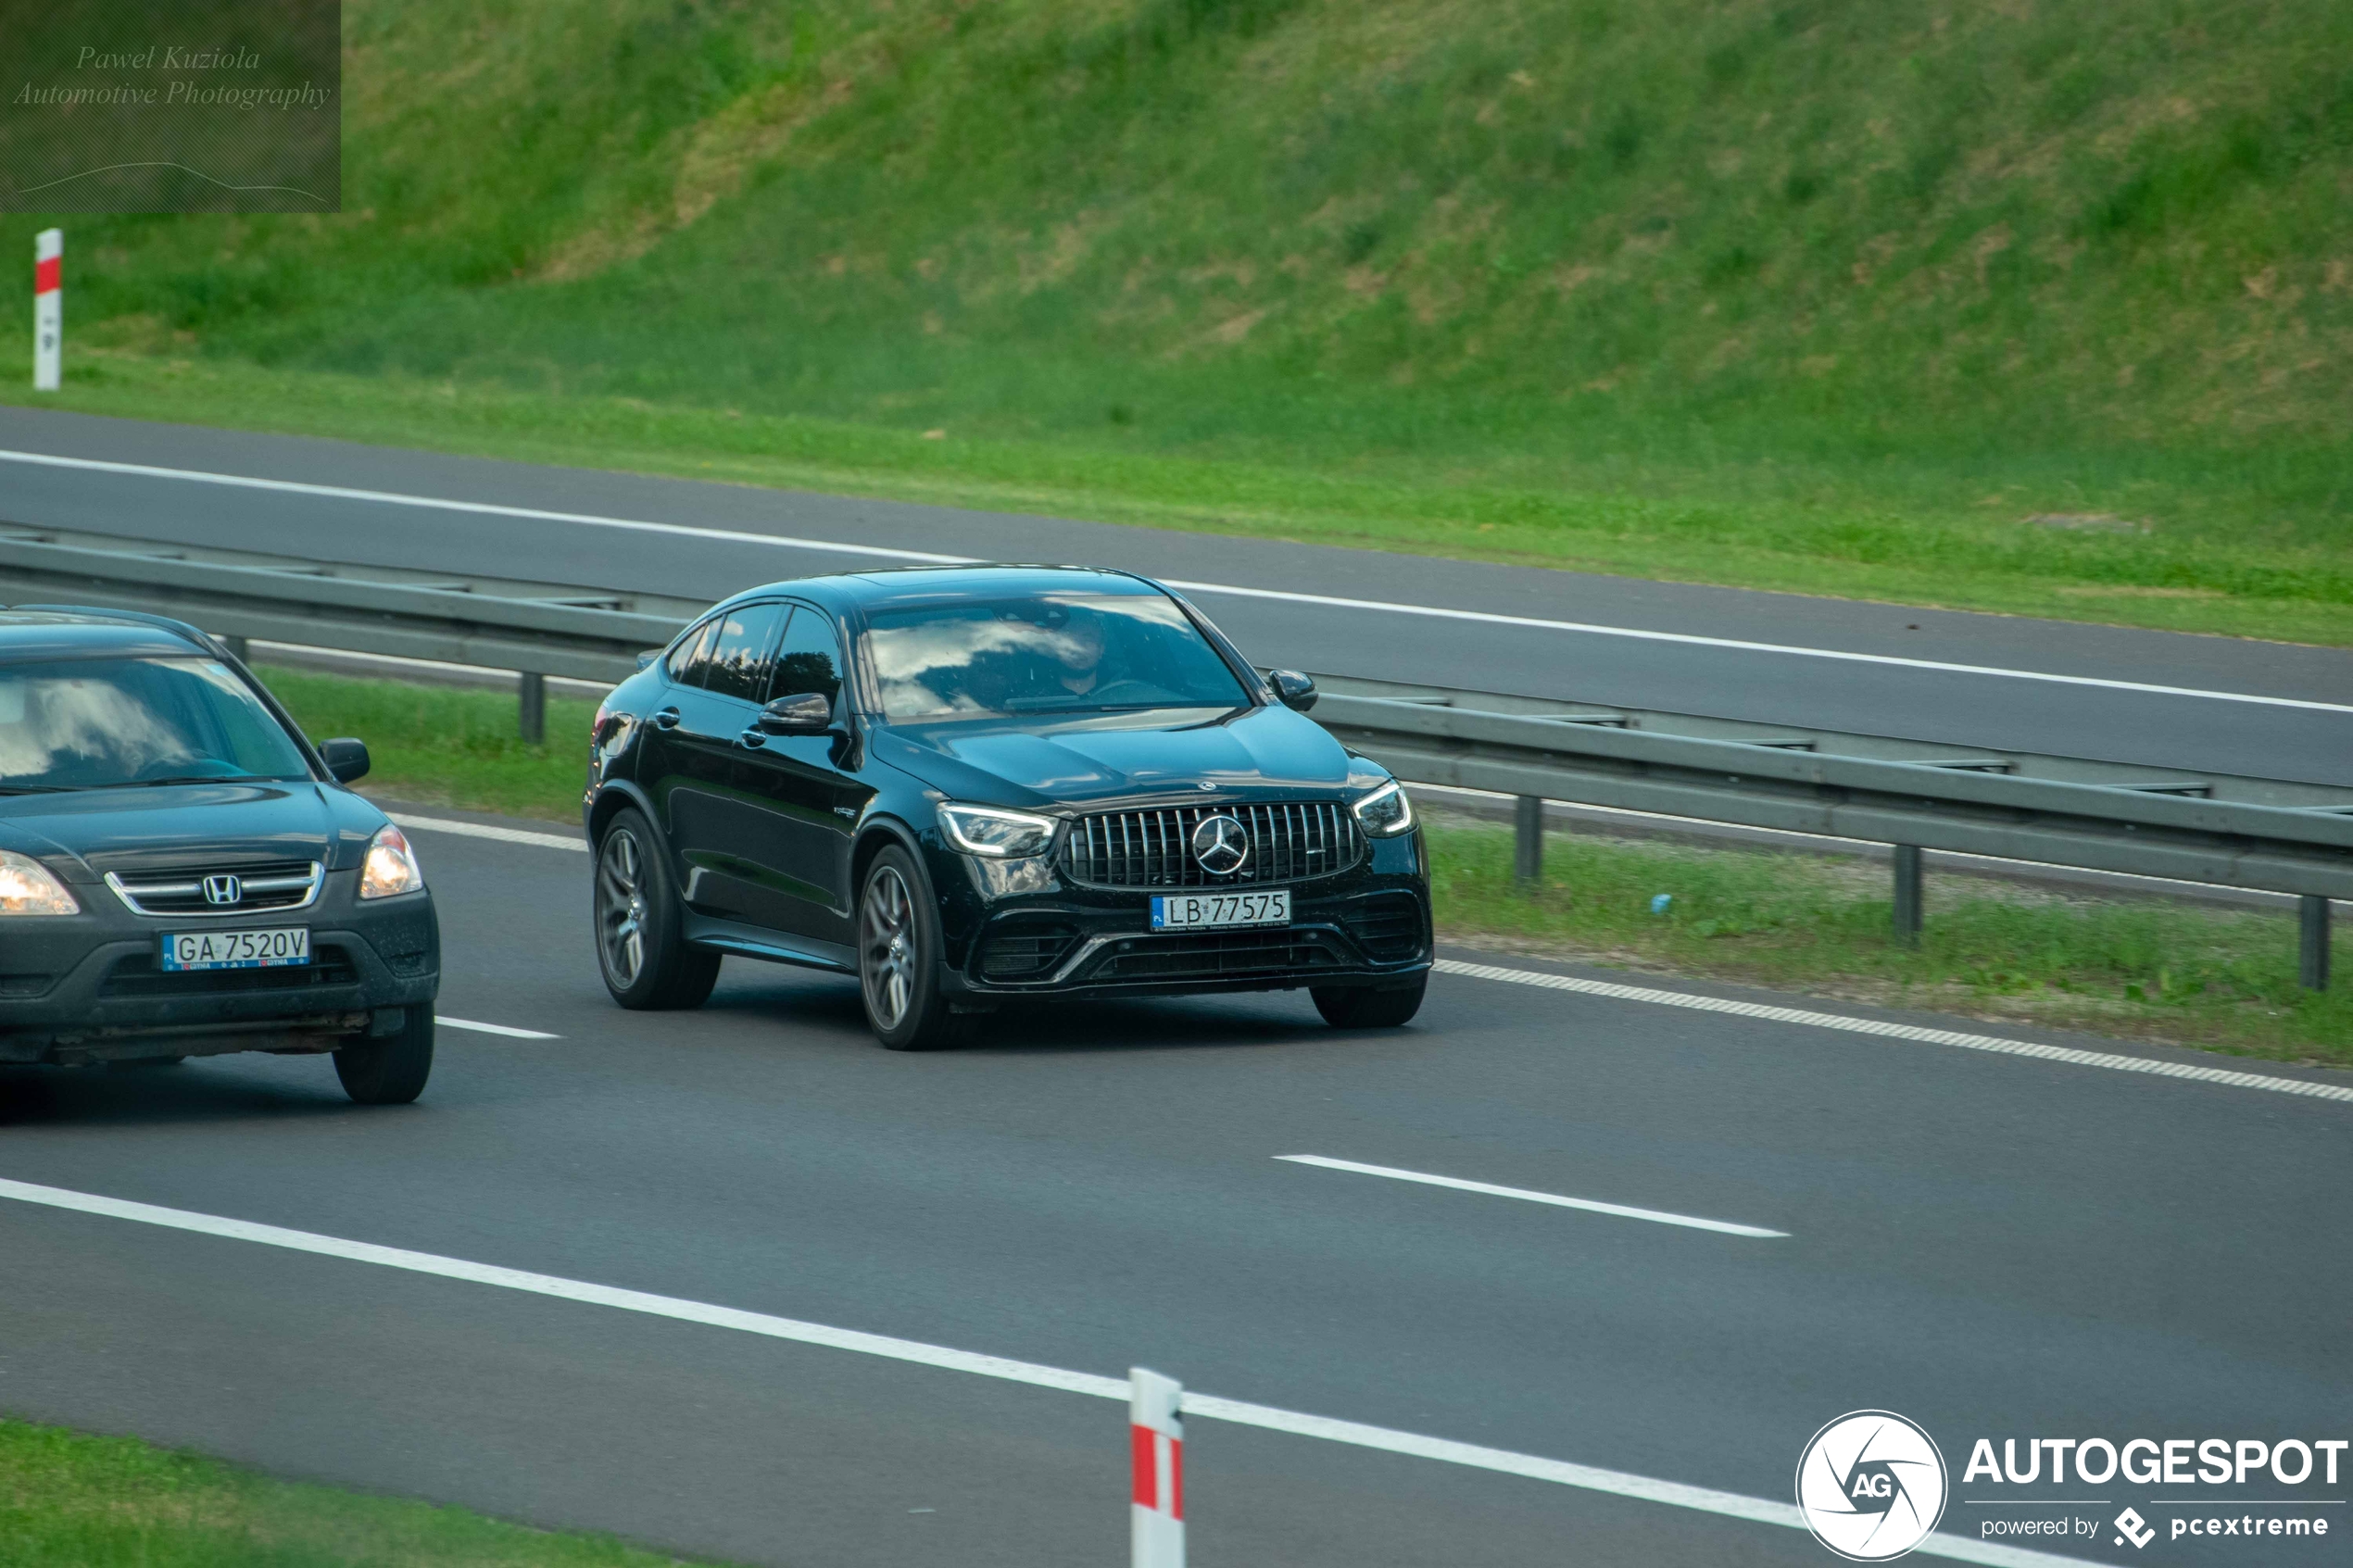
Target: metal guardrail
[[539, 629], [2228, 830]]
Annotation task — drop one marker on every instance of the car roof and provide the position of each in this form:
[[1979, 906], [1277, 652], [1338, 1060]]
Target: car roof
[[882, 587], [35, 632]]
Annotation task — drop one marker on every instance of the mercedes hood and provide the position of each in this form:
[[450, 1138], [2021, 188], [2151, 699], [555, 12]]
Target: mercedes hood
[[1251, 753]]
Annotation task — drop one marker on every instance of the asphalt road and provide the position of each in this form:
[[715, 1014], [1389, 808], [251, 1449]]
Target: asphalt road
[[1891, 690], [1994, 1245]]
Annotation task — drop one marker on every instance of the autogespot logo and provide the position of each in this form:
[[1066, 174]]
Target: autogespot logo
[[1871, 1486]]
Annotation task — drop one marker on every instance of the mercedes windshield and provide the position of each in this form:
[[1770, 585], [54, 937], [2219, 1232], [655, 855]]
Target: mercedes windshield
[[1048, 654]]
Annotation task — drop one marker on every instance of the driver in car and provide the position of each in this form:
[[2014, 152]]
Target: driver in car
[[1077, 641]]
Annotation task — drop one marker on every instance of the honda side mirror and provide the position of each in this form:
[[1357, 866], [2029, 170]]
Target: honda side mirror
[[1295, 690], [811, 713], [346, 759]]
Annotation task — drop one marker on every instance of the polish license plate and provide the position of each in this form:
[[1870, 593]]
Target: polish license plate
[[236, 949], [1209, 911]]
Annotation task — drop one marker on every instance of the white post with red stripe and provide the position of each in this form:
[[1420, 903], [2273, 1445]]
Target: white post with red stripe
[[1156, 1440], [49, 307]]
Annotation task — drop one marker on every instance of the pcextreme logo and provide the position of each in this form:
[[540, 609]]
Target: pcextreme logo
[[1871, 1486]]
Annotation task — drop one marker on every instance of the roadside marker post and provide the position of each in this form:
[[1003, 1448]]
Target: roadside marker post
[[49, 307], [532, 706], [1528, 840], [1908, 901], [1156, 1441]]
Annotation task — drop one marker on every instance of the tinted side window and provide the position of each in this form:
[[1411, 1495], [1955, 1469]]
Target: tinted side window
[[737, 662], [809, 660], [686, 659]]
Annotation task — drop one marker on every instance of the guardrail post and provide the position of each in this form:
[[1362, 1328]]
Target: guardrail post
[[1908, 895], [2315, 967], [1528, 840], [533, 707], [237, 647], [1156, 1450]]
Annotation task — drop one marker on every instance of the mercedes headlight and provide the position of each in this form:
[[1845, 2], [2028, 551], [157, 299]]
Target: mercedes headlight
[[995, 832], [28, 887], [391, 866], [1386, 812]]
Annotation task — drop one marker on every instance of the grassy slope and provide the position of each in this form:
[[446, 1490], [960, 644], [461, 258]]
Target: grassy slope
[[2156, 970], [1817, 296], [73, 1502]]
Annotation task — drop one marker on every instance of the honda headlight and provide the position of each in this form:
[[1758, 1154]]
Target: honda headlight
[[1386, 812], [28, 887], [391, 866], [995, 832]]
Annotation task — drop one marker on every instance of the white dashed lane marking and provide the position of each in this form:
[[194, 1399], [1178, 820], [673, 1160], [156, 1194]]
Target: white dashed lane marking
[[1657, 1216], [508, 1030]]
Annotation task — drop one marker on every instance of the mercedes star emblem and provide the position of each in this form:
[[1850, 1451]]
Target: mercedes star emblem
[[1222, 845]]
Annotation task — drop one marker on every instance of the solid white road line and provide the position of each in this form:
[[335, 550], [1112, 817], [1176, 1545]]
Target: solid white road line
[[1657, 1216], [485, 830], [2068, 1054], [482, 674], [1355, 1434], [485, 509], [506, 1029], [1657, 997], [1693, 639], [789, 541]]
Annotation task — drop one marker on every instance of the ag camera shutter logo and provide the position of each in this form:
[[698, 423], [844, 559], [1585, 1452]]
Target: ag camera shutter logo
[[1871, 1486]]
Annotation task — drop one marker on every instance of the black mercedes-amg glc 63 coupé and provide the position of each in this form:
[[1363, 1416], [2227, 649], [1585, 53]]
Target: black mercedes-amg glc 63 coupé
[[964, 784]]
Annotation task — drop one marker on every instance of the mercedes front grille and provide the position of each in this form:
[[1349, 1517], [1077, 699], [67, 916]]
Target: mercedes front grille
[[1289, 842]]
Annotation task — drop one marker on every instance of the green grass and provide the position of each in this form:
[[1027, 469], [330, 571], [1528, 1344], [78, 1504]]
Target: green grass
[[1778, 293], [2142, 969], [69, 1500], [446, 745], [2223, 980]]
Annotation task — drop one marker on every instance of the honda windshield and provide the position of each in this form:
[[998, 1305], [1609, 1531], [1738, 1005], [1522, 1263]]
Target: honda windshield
[[102, 723], [1076, 653]]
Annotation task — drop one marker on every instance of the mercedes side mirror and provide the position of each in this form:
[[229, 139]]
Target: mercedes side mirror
[[1295, 690], [811, 713], [645, 660], [346, 759]]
